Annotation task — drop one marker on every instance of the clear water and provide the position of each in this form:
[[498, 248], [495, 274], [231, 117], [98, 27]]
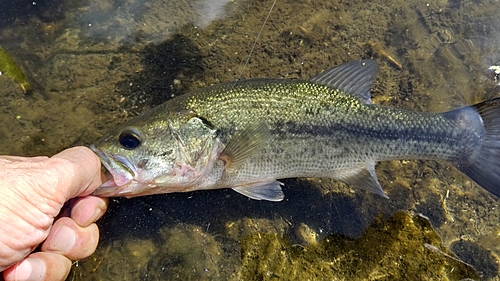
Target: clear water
[[95, 64]]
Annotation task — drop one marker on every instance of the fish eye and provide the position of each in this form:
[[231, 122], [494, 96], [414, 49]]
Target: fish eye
[[130, 138]]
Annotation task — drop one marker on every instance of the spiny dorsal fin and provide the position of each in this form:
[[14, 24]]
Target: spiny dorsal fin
[[244, 144], [364, 177], [354, 77], [269, 190]]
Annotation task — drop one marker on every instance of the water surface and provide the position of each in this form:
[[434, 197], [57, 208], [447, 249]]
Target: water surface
[[95, 64]]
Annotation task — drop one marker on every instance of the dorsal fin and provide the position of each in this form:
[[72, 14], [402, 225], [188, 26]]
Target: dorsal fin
[[354, 77]]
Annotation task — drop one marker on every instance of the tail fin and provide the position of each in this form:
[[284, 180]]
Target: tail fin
[[484, 169]]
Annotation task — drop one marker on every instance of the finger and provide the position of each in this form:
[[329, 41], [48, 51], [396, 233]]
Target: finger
[[87, 210], [69, 239], [8, 158], [80, 171], [41, 266]]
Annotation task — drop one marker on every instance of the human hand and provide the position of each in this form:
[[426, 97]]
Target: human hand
[[33, 192]]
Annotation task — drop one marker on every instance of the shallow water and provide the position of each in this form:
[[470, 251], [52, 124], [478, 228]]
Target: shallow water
[[95, 64]]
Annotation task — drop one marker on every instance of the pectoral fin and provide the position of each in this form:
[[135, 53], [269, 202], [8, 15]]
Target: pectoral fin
[[244, 144], [364, 177], [269, 191]]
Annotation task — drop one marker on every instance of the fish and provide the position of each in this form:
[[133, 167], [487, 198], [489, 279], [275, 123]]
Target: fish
[[248, 135]]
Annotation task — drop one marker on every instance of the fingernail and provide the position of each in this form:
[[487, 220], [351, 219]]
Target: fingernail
[[92, 218], [63, 240], [31, 269], [97, 213]]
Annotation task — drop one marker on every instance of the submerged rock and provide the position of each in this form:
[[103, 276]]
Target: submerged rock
[[399, 248]]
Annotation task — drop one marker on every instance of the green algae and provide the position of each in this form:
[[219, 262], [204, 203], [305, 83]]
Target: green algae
[[399, 248], [10, 68]]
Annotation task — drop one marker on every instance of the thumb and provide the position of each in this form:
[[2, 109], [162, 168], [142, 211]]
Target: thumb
[[81, 172]]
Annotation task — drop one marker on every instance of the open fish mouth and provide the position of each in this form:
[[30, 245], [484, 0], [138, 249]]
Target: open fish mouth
[[118, 170]]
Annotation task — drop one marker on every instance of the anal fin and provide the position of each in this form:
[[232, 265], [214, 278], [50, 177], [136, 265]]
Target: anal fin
[[269, 191], [364, 177]]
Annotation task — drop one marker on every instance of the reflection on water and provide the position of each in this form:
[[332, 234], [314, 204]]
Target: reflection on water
[[95, 64], [150, 21]]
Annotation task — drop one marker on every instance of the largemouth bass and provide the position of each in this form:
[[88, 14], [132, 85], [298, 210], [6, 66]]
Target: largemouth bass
[[247, 135]]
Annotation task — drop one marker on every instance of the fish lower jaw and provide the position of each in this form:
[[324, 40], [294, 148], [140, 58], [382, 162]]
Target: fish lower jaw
[[130, 189], [126, 185], [117, 184]]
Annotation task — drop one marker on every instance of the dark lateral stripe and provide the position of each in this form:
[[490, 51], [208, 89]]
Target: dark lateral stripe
[[283, 129]]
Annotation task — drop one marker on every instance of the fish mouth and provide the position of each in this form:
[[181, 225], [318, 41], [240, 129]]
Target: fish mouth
[[118, 171]]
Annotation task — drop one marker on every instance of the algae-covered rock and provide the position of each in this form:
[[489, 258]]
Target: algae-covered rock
[[188, 253], [400, 248], [184, 252]]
